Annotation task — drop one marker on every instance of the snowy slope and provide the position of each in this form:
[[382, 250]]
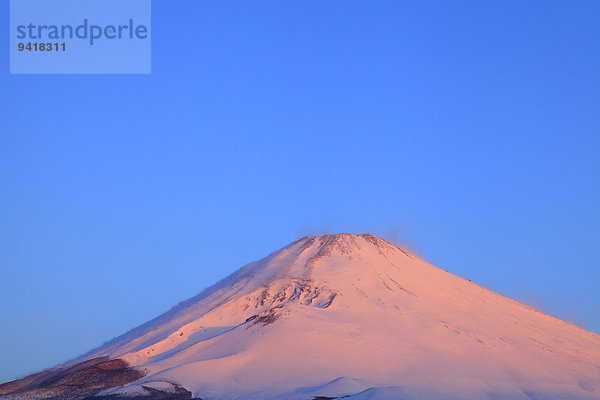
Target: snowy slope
[[354, 315]]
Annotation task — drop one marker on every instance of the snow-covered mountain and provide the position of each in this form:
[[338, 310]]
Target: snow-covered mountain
[[337, 316]]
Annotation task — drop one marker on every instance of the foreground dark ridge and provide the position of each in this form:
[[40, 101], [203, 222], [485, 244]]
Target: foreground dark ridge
[[76, 382]]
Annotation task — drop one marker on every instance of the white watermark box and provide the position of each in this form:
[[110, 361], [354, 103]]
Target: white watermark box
[[80, 36]]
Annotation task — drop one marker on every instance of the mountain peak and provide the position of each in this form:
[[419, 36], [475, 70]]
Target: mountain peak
[[343, 316], [343, 236], [346, 243]]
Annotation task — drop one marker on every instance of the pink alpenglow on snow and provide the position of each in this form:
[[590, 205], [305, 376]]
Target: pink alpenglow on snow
[[336, 316]]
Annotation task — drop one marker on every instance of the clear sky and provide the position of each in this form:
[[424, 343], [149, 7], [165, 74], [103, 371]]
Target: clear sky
[[468, 131]]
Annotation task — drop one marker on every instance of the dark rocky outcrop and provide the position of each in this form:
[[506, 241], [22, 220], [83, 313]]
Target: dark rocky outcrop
[[74, 382]]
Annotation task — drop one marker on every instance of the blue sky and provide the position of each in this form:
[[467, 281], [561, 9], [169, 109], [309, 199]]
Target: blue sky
[[468, 131]]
